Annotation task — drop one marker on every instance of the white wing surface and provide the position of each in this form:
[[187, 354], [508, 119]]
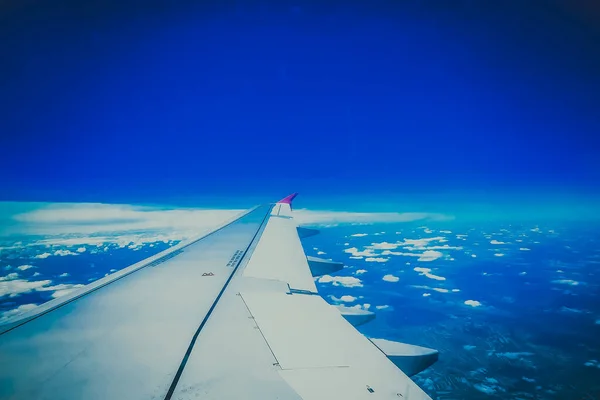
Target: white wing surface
[[233, 315]]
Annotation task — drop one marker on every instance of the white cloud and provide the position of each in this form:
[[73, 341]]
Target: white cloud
[[346, 244], [426, 294], [25, 267], [567, 282], [12, 275], [12, 286], [63, 275], [383, 307], [524, 249], [430, 255], [15, 287], [16, 311], [345, 299], [92, 218], [444, 247], [472, 303], [420, 242], [359, 234], [514, 355], [321, 252], [469, 347], [64, 253], [81, 249], [357, 253], [523, 273], [303, 216], [390, 278], [456, 290], [427, 273], [356, 257], [384, 246], [446, 232], [496, 242], [43, 255], [346, 281], [376, 259], [474, 255], [360, 272], [441, 290], [499, 254]]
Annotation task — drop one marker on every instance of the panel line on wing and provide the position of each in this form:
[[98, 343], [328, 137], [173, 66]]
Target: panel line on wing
[[188, 352], [260, 330]]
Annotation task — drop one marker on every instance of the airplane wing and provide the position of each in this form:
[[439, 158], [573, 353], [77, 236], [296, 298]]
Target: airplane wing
[[233, 314]]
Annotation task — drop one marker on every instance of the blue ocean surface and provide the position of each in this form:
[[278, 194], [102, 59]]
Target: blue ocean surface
[[513, 308]]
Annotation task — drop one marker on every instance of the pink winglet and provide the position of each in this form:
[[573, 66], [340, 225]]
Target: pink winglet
[[288, 199]]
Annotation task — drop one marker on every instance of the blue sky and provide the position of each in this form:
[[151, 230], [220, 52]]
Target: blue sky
[[195, 103]]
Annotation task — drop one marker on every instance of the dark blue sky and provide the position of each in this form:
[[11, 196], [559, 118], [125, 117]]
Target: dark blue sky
[[147, 101]]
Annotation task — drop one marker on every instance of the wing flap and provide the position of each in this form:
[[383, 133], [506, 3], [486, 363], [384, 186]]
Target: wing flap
[[321, 354]]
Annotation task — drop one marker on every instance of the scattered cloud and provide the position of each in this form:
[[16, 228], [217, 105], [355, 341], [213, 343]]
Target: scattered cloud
[[62, 252], [469, 347], [514, 355], [81, 250], [426, 294], [523, 273], [16, 311], [93, 218], [390, 278], [346, 281], [43, 255], [64, 275], [306, 217], [430, 255], [345, 298], [472, 303], [383, 307], [321, 252], [526, 379], [25, 267], [499, 254], [357, 253], [441, 290], [496, 242], [567, 282], [592, 363], [360, 271], [474, 255], [384, 246], [376, 259], [427, 273]]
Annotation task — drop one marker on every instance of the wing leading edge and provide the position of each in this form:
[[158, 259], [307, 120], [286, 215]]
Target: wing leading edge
[[235, 314]]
